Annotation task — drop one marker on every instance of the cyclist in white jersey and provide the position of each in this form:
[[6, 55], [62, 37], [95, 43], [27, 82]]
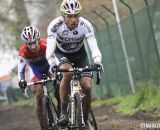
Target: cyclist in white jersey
[[65, 48]]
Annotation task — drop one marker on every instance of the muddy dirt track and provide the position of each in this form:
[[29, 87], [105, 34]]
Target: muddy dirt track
[[24, 118]]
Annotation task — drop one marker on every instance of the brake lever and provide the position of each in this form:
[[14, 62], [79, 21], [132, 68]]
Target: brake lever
[[98, 78]]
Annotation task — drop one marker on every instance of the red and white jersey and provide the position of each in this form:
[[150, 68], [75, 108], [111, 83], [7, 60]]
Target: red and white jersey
[[33, 57], [36, 61]]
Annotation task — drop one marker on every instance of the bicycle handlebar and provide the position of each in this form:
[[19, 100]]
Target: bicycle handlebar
[[25, 94], [40, 82], [76, 69], [99, 70]]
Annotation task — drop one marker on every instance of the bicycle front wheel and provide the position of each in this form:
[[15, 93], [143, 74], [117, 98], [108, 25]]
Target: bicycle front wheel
[[78, 112], [92, 121], [49, 113]]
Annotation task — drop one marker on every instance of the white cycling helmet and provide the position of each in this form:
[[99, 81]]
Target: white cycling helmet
[[30, 34], [70, 7]]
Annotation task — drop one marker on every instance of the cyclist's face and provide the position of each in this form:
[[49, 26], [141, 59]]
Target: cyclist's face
[[71, 20], [33, 46]]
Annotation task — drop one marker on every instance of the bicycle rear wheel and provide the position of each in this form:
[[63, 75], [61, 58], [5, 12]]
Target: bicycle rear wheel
[[92, 121], [49, 113]]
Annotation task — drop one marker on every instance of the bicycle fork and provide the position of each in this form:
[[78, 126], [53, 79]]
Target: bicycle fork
[[75, 88]]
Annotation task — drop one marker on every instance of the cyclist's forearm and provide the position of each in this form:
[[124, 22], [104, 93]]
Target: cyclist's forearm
[[21, 68], [94, 48]]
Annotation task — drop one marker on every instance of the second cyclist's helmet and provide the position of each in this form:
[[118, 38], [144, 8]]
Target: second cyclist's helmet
[[70, 7], [30, 34]]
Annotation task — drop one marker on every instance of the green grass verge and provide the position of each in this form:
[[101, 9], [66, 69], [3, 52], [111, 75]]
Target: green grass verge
[[30, 102], [146, 98], [23, 102]]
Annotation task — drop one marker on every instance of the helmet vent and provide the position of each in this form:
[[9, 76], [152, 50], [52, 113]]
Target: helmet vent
[[67, 6], [34, 34], [64, 7], [24, 37], [76, 4], [29, 35], [72, 6]]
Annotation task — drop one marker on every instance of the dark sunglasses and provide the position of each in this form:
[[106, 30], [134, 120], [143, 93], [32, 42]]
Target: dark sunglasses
[[31, 43], [72, 15]]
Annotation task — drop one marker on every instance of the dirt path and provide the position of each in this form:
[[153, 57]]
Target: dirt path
[[23, 118]]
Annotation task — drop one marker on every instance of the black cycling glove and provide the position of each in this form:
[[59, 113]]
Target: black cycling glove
[[22, 84], [100, 67], [54, 68]]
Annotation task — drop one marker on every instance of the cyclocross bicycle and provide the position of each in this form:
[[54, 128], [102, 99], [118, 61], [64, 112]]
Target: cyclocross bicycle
[[75, 111], [49, 111]]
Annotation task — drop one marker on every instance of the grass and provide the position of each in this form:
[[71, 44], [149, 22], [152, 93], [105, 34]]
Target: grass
[[145, 99], [31, 101], [23, 102]]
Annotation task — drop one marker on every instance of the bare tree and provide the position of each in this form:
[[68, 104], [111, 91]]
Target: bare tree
[[16, 14], [13, 17]]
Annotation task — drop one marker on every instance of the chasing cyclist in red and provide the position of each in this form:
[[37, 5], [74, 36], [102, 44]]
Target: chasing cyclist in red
[[32, 53]]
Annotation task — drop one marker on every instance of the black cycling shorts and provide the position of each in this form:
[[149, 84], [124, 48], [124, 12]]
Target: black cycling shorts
[[77, 59]]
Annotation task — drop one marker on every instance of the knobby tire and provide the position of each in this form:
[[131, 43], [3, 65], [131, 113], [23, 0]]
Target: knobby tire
[[49, 113], [92, 121], [78, 110]]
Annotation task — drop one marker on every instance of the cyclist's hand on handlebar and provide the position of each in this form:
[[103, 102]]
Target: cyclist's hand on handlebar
[[22, 84], [54, 68], [52, 65], [98, 64], [99, 67]]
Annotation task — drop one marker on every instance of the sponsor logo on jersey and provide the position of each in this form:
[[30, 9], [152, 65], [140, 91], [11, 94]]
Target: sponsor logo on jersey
[[71, 46], [82, 23], [89, 30], [65, 32], [56, 26], [85, 25], [75, 32], [69, 39]]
